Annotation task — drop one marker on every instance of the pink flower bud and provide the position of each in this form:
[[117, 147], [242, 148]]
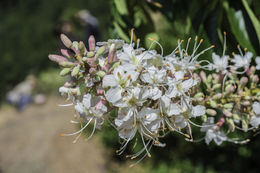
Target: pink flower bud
[[111, 54], [100, 91], [91, 43], [255, 79], [243, 80], [203, 76], [227, 113], [57, 58], [66, 41]]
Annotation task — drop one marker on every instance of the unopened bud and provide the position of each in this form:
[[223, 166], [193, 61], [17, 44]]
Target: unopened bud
[[209, 79], [216, 86], [255, 79], [243, 81], [228, 106], [204, 118], [213, 104], [101, 74], [111, 53], [100, 51], [227, 113], [90, 54], [236, 116], [246, 103], [229, 89], [66, 41], [203, 76], [244, 125], [91, 43], [82, 48], [231, 124], [57, 58], [65, 71], [217, 96], [200, 94], [66, 64], [211, 112], [75, 71]]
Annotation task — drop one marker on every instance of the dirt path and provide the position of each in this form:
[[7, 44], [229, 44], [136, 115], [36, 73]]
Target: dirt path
[[30, 142]]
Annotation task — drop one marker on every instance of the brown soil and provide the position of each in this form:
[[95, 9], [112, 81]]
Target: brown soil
[[30, 142]]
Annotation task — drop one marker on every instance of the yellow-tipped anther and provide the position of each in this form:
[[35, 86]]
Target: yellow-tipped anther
[[131, 166], [245, 49], [133, 157], [189, 39], [149, 155], [196, 38], [248, 140], [212, 46], [186, 78], [201, 40], [152, 39], [238, 46], [187, 136], [157, 4], [182, 41], [225, 33], [62, 134]]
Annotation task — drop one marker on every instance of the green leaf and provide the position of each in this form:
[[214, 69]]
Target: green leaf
[[253, 18], [237, 24], [121, 32], [121, 7]]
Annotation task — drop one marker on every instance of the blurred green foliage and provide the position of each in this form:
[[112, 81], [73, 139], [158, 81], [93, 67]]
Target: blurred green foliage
[[28, 34], [45, 83], [171, 20]]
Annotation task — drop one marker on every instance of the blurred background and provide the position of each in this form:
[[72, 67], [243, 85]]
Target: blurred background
[[31, 122]]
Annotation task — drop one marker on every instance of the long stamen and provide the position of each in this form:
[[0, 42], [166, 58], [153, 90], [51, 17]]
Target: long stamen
[[132, 35], [133, 156], [94, 128], [149, 155], [64, 105], [142, 157], [194, 51], [239, 49], [197, 125], [224, 46], [187, 46], [79, 130]]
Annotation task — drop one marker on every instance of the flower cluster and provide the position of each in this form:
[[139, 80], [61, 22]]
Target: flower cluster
[[144, 94]]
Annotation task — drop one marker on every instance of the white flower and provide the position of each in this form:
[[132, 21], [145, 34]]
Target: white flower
[[168, 108], [118, 81], [125, 122], [133, 59], [255, 119], [150, 119], [242, 61], [179, 87], [187, 111], [68, 92], [91, 107], [131, 98], [257, 60], [212, 132], [220, 63], [154, 75]]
